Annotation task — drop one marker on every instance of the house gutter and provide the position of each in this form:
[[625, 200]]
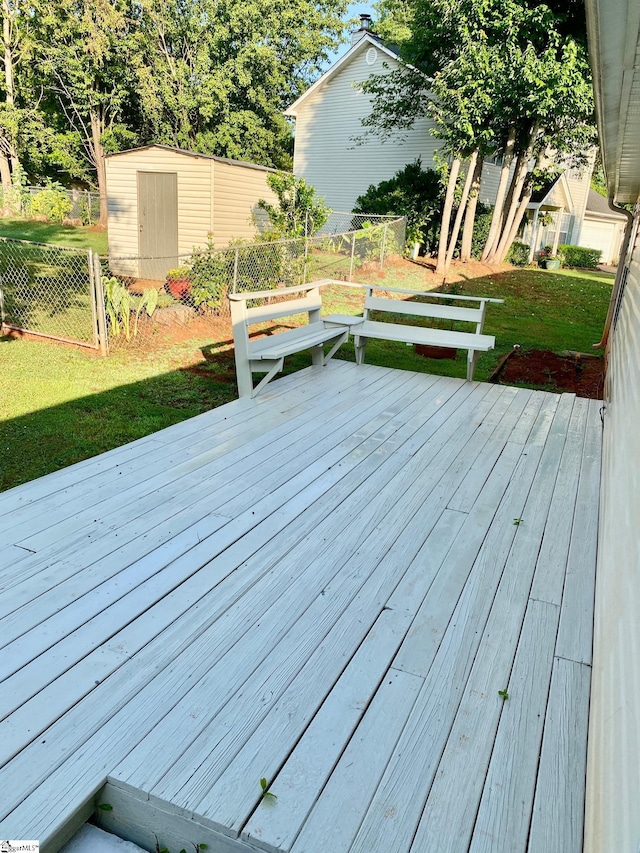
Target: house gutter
[[616, 293]]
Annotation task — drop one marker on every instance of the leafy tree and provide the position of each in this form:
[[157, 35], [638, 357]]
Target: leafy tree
[[84, 50], [495, 75], [298, 212], [215, 75]]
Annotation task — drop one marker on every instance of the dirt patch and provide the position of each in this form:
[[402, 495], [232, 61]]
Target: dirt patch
[[580, 373]]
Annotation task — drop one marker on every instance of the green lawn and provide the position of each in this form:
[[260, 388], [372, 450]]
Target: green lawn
[[63, 405], [84, 237]]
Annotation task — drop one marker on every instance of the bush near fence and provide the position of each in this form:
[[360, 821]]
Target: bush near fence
[[28, 202], [578, 256]]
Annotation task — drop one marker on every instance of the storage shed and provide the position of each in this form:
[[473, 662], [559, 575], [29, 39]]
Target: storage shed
[[164, 201]]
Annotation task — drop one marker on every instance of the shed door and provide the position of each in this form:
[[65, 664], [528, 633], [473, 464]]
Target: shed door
[[157, 223]]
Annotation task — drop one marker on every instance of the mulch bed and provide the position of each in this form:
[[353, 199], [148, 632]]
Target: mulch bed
[[580, 373]]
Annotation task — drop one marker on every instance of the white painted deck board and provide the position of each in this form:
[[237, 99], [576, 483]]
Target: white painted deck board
[[322, 586]]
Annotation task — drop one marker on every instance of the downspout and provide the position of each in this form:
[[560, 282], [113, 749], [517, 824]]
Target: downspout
[[617, 285]]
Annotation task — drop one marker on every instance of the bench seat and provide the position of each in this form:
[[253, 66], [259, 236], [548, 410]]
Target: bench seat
[[293, 340], [267, 354], [421, 335], [474, 342]]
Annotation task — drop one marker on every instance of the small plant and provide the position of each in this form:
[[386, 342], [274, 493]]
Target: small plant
[[503, 695], [117, 303], [518, 521], [149, 302], [105, 807], [518, 254], [209, 277], [267, 795], [179, 274]]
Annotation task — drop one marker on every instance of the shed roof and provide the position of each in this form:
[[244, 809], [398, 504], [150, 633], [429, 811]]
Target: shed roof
[[195, 154]]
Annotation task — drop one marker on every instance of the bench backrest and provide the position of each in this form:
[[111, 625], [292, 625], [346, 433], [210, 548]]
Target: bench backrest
[[426, 309], [309, 302]]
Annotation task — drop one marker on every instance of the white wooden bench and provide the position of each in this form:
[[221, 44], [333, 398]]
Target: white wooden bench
[[266, 355], [474, 342]]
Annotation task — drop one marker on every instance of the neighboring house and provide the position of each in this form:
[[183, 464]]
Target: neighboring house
[[328, 120], [164, 201], [613, 778]]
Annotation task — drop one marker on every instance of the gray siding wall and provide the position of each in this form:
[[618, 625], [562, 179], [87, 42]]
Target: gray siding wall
[[613, 781], [327, 156]]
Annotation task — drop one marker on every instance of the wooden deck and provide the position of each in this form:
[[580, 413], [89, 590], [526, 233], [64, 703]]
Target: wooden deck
[[325, 587]]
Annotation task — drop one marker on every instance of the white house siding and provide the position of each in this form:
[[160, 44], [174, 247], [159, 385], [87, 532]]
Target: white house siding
[[194, 199], [613, 781], [237, 190], [325, 153]]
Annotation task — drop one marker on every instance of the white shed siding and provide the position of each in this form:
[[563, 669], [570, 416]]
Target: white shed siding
[[214, 196], [194, 197], [613, 781], [328, 120], [237, 190]]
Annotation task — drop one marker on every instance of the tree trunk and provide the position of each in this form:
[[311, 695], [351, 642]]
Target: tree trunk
[[544, 161], [508, 238], [515, 194], [441, 267], [471, 170], [11, 155], [470, 215], [97, 152], [496, 219]]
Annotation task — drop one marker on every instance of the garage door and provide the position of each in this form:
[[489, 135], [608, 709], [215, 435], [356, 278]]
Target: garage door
[[598, 235]]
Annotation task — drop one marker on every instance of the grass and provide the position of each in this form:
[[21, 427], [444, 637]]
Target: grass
[[78, 237], [64, 405]]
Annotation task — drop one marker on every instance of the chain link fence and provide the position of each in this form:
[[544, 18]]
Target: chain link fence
[[49, 291], [140, 311], [71, 295], [81, 205]]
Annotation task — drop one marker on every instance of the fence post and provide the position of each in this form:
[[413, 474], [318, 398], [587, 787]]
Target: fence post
[[353, 251], [235, 271], [384, 244], [100, 307]]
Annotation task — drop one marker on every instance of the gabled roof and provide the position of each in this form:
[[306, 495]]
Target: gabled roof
[[541, 197], [194, 154], [369, 40]]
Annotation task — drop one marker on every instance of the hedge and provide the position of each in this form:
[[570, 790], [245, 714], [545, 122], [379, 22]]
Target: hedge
[[578, 256]]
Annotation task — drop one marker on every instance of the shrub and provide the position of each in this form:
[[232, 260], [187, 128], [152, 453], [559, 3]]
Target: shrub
[[578, 256], [518, 254], [298, 212], [53, 203], [481, 227], [209, 279], [413, 192]]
